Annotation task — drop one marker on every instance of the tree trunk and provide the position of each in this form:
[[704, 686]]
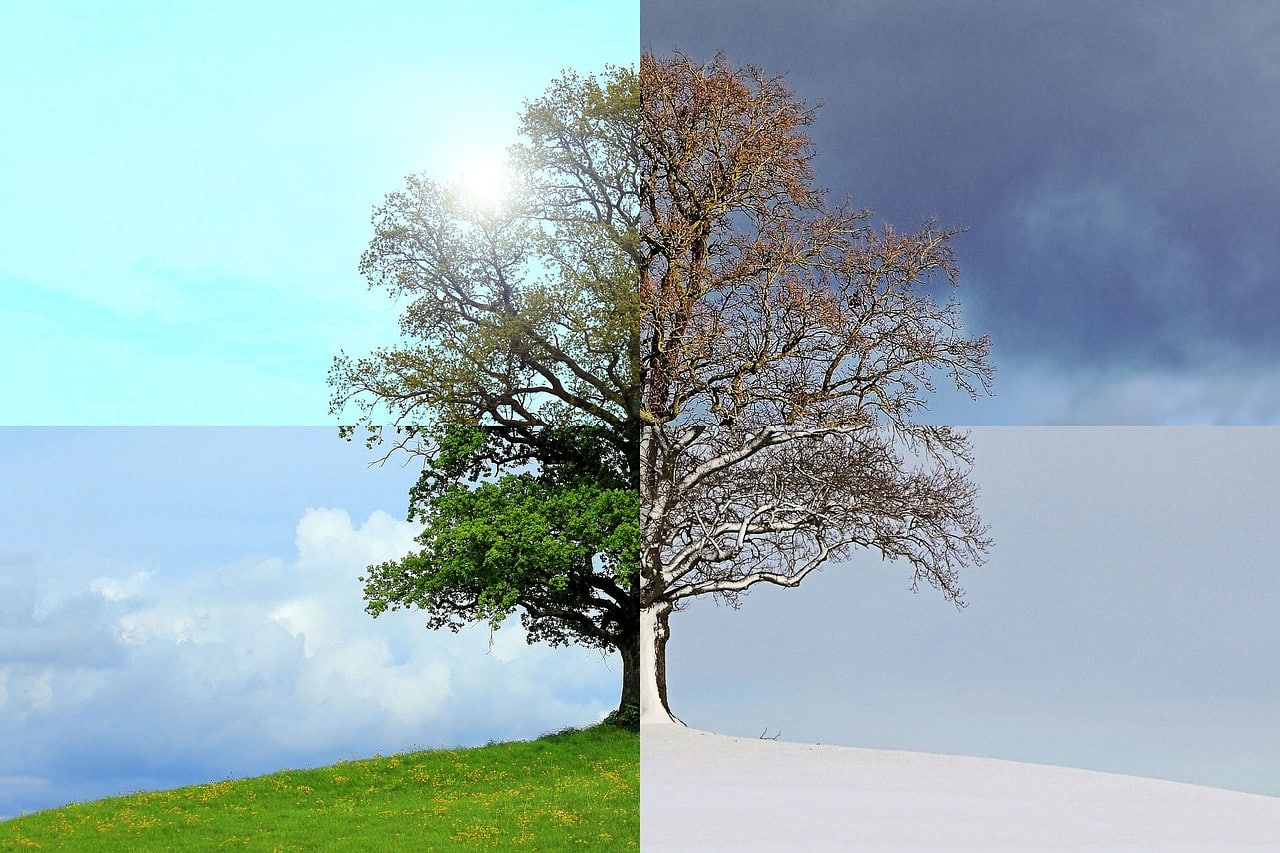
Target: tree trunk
[[628, 712], [653, 664]]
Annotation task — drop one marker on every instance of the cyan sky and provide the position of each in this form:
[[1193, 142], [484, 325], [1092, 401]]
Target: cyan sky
[[180, 605], [185, 188]]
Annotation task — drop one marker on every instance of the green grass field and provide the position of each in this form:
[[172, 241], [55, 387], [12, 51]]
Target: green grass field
[[577, 789]]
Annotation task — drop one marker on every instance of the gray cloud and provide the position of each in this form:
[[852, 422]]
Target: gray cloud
[[72, 633], [1114, 163]]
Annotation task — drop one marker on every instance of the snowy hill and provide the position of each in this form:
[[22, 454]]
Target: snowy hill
[[703, 791]]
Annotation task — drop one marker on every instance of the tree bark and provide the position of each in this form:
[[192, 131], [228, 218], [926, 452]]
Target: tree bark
[[654, 631], [629, 704]]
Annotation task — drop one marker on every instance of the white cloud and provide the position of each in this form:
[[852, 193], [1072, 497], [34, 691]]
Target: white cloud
[[141, 626], [304, 618], [412, 691], [508, 643], [25, 690], [261, 663], [118, 589], [327, 540]]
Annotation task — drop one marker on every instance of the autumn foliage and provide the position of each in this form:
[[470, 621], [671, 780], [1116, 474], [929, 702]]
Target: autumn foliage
[[787, 350]]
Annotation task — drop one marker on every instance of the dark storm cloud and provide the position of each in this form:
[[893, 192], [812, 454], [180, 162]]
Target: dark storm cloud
[[1115, 164]]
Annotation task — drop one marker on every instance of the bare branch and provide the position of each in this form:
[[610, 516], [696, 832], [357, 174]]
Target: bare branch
[[786, 352]]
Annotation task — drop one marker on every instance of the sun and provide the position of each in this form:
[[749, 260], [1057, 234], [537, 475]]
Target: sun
[[483, 179]]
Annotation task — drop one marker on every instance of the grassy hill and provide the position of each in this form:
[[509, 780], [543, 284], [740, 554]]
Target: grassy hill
[[579, 788]]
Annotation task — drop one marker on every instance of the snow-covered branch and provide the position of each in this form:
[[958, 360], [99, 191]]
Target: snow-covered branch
[[786, 350]]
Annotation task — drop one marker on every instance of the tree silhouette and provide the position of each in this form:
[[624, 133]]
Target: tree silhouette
[[786, 350]]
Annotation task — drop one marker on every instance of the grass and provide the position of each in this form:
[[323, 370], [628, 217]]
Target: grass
[[576, 789]]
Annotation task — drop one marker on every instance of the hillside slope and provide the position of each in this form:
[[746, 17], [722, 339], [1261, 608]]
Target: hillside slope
[[705, 791], [574, 789]]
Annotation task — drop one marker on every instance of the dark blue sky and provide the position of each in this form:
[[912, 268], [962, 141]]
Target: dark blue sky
[[1115, 165]]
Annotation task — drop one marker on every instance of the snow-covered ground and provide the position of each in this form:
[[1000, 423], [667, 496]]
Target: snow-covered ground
[[703, 791]]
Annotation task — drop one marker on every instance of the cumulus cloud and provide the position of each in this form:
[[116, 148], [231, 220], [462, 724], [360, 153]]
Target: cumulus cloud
[[118, 589], [160, 676]]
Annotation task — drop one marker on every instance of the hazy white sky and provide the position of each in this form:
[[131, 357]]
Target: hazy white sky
[[187, 186], [180, 605], [1126, 620]]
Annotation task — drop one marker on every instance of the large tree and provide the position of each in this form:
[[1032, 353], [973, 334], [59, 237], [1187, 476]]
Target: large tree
[[517, 380], [787, 349]]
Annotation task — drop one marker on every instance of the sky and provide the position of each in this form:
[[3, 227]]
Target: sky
[[1114, 165], [1125, 620], [186, 187], [181, 605], [186, 195]]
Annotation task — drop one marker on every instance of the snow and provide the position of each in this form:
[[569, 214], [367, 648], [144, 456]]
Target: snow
[[704, 791]]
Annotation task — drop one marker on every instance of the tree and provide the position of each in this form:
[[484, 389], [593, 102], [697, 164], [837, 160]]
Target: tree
[[517, 381], [786, 349], [560, 544]]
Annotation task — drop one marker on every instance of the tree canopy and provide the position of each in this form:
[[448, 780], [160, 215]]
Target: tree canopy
[[559, 544], [664, 367], [517, 381], [787, 349], [521, 315]]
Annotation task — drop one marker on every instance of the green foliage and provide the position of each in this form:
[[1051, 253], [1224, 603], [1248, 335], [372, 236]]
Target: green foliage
[[627, 716], [518, 380], [560, 543], [576, 789]]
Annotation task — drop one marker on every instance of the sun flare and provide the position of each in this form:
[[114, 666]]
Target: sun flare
[[483, 179]]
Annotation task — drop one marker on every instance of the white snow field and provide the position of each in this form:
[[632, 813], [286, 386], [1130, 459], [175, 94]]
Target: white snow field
[[704, 791]]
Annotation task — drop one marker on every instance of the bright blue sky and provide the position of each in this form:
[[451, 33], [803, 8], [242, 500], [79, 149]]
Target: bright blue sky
[[179, 605], [187, 186], [1125, 621]]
